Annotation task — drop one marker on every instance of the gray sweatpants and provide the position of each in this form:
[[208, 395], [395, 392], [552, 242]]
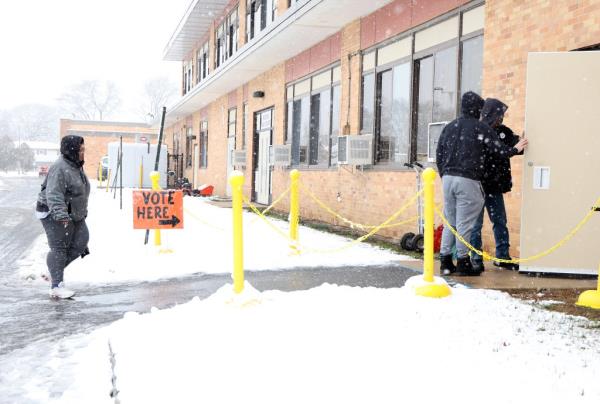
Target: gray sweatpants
[[66, 244], [463, 201]]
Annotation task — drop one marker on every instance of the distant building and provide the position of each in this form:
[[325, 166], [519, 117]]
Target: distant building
[[98, 134], [45, 153]]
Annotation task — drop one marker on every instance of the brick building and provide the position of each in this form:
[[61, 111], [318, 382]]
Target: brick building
[[98, 134], [261, 73]]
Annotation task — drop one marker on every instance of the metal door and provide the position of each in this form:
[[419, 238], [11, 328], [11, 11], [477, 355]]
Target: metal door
[[561, 164], [263, 169], [230, 149]]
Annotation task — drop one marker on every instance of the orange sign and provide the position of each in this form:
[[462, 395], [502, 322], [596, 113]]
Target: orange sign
[[157, 209]]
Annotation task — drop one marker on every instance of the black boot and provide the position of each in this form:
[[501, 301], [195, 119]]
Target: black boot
[[446, 265], [465, 268], [507, 265]]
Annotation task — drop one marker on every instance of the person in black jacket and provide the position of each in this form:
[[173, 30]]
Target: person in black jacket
[[497, 180], [463, 147]]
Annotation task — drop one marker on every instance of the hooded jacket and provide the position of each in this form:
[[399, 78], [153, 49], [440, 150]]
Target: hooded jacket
[[66, 189], [497, 177], [466, 143]]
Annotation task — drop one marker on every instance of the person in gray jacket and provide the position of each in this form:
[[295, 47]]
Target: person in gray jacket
[[62, 207]]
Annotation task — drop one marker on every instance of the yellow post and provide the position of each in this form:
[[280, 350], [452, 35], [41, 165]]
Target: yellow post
[[142, 174], [294, 209], [155, 177], [428, 196], [237, 181], [100, 174], [108, 180], [591, 298], [428, 285]]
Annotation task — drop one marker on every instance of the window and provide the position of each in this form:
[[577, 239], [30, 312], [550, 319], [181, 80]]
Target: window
[[202, 69], [203, 160], [311, 105], [189, 137], [187, 76], [409, 83], [244, 123], [226, 38], [259, 14], [231, 122], [471, 65]]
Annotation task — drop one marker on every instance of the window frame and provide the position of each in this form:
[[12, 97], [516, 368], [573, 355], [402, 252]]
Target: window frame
[[293, 100], [412, 59]]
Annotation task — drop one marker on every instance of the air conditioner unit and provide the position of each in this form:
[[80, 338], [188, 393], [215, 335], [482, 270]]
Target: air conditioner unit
[[355, 150], [433, 137], [239, 158], [280, 155]]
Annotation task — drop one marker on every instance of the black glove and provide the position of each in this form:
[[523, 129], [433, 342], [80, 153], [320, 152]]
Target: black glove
[[85, 252]]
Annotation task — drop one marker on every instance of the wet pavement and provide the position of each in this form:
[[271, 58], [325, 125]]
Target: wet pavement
[[28, 316]]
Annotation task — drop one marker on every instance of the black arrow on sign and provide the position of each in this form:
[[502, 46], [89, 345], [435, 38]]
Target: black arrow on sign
[[173, 221]]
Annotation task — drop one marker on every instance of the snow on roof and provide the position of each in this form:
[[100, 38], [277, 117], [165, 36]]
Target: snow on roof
[[39, 145]]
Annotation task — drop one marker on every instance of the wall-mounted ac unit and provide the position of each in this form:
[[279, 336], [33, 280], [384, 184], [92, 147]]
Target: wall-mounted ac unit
[[280, 155], [239, 158], [434, 131], [355, 150]]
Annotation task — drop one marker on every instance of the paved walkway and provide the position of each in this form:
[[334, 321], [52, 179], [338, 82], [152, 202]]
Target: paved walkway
[[493, 278]]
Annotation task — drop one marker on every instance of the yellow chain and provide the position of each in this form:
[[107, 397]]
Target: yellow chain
[[517, 260], [338, 249], [352, 224], [276, 201], [189, 212]]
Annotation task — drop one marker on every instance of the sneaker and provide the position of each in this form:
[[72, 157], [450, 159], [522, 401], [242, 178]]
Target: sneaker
[[507, 265], [61, 292], [446, 265], [465, 268]]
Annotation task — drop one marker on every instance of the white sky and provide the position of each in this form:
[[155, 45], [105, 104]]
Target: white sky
[[46, 46]]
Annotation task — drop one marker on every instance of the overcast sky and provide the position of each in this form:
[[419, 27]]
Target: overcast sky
[[47, 45]]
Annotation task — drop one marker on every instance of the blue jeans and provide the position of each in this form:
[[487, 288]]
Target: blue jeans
[[494, 204]]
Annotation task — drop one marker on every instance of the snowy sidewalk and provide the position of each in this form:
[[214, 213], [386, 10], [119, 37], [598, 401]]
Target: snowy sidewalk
[[118, 253]]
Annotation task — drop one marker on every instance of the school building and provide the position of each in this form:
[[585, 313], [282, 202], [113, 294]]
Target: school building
[[348, 91], [98, 134]]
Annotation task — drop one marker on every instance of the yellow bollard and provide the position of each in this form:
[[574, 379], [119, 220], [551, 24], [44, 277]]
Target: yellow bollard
[[237, 181], [294, 209], [155, 177], [100, 174], [142, 174], [108, 180], [429, 286], [591, 298]]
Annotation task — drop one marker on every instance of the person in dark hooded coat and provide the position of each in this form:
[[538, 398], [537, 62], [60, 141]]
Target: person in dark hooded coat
[[497, 180], [62, 207], [463, 147]]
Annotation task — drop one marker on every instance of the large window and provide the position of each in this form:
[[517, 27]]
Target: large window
[[313, 114], [203, 160], [203, 68], [189, 137], [259, 14], [187, 76], [244, 124], [231, 122], [226, 38], [417, 80]]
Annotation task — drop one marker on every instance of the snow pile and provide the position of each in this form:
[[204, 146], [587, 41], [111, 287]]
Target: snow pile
[[344, 345], [118, 252]]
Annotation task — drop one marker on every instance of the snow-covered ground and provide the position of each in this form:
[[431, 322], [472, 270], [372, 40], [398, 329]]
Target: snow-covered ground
[[331, 344], [118, 252]]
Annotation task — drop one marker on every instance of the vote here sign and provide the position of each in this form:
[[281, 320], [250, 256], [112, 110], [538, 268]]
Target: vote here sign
[[157, 209]]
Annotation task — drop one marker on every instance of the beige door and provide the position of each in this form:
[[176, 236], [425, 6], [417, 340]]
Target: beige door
[[561, 173]]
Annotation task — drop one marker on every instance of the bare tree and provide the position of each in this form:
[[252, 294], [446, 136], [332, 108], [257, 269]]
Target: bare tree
[[158, 92], [34, 122], [91, 100]]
